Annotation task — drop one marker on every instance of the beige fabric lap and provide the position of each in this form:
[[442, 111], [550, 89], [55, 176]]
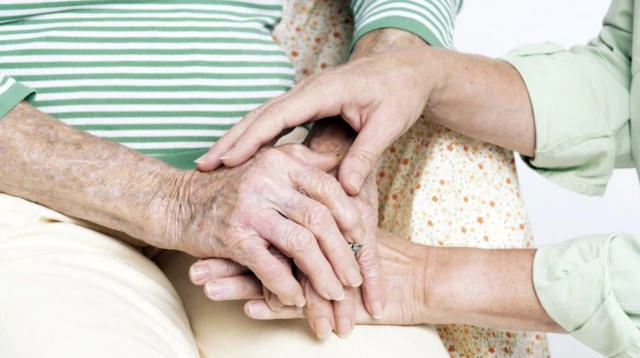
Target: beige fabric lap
[[69, 291]]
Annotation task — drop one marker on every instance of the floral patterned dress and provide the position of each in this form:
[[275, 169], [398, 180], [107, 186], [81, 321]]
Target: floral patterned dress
[[436, 186]]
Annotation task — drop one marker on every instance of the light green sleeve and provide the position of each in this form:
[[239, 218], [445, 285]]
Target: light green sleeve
[[580, 100], [431, 20], [591, 287]]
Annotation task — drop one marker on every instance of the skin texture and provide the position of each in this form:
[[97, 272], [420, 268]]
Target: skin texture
[[474, 95], [228, 213], [490, 288], [477, 96], [334, 136]]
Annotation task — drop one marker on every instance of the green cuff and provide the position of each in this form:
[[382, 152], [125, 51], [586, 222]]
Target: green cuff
[[577, 284], [400, 23], [15, 94]]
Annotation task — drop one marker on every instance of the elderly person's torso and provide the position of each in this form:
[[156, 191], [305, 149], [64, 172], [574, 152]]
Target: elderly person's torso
[[166, 78]]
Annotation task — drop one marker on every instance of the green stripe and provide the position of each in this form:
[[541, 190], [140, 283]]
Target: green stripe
[[158, 126], [158, 101], [54, 5], [163, 139], [202, 114], [181, 29], [83, 40], [155, 76], [73, 52], [37, 21], [151, 64], [145, 89]]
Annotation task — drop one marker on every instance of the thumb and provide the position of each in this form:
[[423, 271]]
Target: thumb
[[363, 155], [322, 161]]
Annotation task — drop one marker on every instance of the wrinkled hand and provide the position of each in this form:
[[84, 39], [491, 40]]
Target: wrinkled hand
[[274, 201], [405, 268], [380, 96], [323, 315], [339, 316]]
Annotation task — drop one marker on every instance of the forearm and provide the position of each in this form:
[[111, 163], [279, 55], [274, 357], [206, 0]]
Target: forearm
[[490, 288], [45, 161], [482, 98]]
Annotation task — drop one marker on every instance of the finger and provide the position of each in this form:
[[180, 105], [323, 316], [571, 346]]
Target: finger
[[363, 154], [319, 311], [276, 276], [373, 290], [307, 105], [245, 287], [270, 298], [213, 158], [318, 219], [210, 269], [300, 244], [373, 293], [326, 190], [258, 309], [322, 161], [344, 313]]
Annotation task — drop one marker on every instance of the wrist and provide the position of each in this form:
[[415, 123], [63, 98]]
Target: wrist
[[167, 207], [383, 40]]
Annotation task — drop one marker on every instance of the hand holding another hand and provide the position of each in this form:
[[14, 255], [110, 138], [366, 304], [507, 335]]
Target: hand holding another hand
[[275, 202]]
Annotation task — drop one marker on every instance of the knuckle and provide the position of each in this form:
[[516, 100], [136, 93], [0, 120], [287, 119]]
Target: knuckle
[[298, 241], [271, 155], [317, 215]]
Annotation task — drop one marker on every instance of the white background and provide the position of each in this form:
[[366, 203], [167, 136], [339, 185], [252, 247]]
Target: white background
[[493, 27]]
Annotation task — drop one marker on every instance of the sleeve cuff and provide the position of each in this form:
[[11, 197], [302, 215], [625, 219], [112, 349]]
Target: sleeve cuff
[[12, 93], [431, 20], [575, 146], [576, 284]]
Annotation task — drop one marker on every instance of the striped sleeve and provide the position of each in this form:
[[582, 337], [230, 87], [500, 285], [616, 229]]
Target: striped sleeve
[[11, 93], [432, 20]]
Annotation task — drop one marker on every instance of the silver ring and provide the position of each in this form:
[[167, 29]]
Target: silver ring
[[355, 248]]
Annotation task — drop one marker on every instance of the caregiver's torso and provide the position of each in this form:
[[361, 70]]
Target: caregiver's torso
[[167, 78]]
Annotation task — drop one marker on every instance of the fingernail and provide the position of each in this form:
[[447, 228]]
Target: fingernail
[[275, 304], [323, 328], [255, 310], [200, 160], [354, 278], [299, 300], [198, 272], [337, 294], [213, 289], [344, 327], [377, 310], [355, 180]]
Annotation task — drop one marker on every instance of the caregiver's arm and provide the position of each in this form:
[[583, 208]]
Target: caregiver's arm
[[580, 102]]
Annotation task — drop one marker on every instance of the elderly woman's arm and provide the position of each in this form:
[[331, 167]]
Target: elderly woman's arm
[[229, 213]]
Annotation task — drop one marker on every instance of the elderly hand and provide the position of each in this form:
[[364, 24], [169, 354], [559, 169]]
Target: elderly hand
[[380, 96], [278, 200], [405, 272]]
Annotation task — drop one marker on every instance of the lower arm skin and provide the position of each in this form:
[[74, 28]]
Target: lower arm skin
[[45, 161], [482, 98], [482, 287]]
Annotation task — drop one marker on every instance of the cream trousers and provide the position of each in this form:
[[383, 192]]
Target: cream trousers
[[70, 289]]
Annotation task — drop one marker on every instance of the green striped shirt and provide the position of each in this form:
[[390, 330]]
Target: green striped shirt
[[164, 77]]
